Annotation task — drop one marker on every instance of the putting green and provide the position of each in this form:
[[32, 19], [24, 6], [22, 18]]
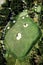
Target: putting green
[[22, 36]]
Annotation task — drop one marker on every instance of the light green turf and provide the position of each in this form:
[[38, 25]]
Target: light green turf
[[30, 35]]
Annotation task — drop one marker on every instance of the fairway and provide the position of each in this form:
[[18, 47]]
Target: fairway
[[22, 36]]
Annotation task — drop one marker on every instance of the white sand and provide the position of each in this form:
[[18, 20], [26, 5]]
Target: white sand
[[2, 1], [18, 36], [14, 21], [23, 17], [8, 27], [25, 25]]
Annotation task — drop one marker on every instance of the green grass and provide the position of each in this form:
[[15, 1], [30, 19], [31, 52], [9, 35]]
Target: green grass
[[30, 35]]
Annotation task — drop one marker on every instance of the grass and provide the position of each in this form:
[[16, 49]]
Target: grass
[[29, 37]]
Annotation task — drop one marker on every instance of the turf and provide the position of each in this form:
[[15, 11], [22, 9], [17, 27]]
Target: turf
[[30, 35]]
